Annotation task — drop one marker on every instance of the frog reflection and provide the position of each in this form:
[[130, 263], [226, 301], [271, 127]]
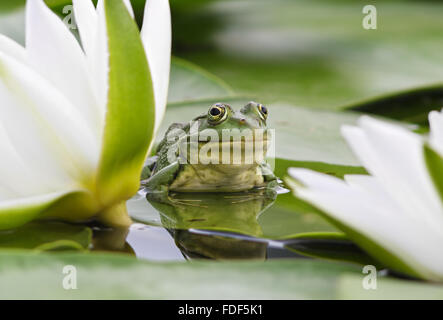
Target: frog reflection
[[227, 212], [197, 245]]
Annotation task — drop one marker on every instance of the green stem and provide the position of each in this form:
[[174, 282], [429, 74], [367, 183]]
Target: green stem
[[116, 216]]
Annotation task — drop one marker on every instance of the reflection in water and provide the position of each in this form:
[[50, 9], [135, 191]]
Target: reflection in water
[[231, 212], [219, 226], [183, 214], [220, 247], [111, 239], [153, 243], [159, 244]]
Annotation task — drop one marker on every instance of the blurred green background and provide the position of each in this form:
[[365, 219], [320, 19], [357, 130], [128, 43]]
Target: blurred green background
[[307, 53]]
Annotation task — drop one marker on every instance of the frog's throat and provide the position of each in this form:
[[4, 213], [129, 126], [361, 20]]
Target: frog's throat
[[235, 153], [217, 178]]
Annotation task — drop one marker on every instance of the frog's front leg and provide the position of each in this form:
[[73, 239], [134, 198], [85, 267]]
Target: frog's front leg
[[268, 174], [148, 167], [158, 184], [270, 179]]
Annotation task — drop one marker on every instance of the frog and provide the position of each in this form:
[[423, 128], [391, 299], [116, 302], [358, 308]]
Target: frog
[[176, 168]]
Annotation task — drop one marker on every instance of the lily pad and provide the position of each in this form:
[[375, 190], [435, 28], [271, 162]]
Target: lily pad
[[190, 82], [350, 287], [412, 105], [104, 276], [329, 245], [283, 220]]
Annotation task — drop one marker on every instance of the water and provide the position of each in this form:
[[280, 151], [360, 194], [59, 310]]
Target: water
[[159, 244], [196, 226], [260, 224]]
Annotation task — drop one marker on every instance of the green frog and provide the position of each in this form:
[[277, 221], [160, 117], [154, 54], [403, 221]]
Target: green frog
[[222, 150]]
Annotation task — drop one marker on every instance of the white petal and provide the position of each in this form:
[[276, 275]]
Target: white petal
[[86, 20], [12, 48], [394, 156], [347, 197], [99, 62], [16, 176], [436, 136], [156, 36], [360, 207], [45, 129], [56, 54]]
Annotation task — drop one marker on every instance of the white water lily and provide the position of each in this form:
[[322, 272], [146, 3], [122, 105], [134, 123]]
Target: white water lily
[[396, 212], [76, 121]]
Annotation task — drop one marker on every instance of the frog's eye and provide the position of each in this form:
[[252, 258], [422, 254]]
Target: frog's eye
[[217, 113], [263, 111]]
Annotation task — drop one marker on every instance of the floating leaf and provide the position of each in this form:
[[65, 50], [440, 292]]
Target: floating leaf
[[351, 287], [412, 105], [328, 245], [190, 82], [101, 276]]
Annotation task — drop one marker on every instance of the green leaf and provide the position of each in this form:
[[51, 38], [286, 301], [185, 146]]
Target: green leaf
[[7, 5], [329, 245], [141, 210], [45, 236], [411, 105], [282, 166], [103, 276], [189, 82], [131, 110], [288, 217]]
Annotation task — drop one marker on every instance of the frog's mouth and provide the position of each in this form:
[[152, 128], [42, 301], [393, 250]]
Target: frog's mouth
[[236, 153]]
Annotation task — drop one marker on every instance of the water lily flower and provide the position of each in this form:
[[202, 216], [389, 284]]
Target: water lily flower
[[396, 212], [76, 121]]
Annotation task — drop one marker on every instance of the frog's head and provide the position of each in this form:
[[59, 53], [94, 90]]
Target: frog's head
[[221, 116], [243, 133]]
